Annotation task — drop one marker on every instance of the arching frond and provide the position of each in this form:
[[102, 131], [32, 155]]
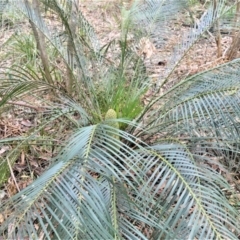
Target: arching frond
[[205, 104], [94, 190], [207, 20], [152, 15], [177, 197]]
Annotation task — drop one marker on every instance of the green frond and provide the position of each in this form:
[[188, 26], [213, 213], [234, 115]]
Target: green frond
[[205, 104], [18, 82], [152, 16], [182, 190], [58, 40], [45, 196], [207, 20], [95, 191]]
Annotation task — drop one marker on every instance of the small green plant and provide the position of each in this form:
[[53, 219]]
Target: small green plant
[[24, 47], [4, 172]]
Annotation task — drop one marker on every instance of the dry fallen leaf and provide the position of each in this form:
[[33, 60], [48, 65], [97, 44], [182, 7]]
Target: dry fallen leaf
[[146, 47], [3, 149], [1, 218], [2, 194], [11, 188], [26, 123]]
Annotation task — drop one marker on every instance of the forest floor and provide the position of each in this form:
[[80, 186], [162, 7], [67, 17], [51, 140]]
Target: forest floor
[[203, 56], [104, 19]]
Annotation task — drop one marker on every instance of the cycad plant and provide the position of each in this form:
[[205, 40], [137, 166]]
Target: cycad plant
[[122, 169]]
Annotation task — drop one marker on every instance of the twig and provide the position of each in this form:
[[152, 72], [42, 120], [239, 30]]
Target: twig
[[12, 175], [218, 37], [23, 105], [216, 60]]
